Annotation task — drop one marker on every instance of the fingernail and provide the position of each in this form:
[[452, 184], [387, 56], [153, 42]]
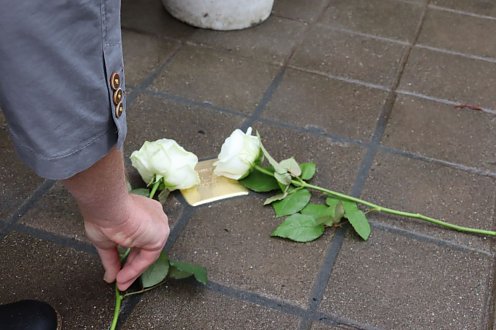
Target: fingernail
[[107, 278]]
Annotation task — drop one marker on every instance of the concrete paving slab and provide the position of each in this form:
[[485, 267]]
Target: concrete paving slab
[[321, 326], [70, 281], [150, 16], [451, 77], [349, 56], [384, 18], [455, 32], [142, 54], [452, 195], [336, 107], [57, 213], [480, 7], [272, 41], [393, 282], [188, 306], [201, 131], [443, 132], [306, 11], [232, 240], [17, 182], [337, 162], [216, 77]]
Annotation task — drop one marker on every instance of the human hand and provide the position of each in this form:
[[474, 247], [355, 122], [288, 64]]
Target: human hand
[[144, 228]]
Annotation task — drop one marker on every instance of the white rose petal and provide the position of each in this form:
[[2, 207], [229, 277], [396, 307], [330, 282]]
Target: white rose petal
[[238, 155], [166, 159]]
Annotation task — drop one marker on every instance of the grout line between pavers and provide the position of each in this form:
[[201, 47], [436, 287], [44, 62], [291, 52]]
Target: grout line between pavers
[[55, 238], [439, 100], [440, 242], [25, 207], [180, 225], [456, 53], [445, 163], [148, 80], [331, 319], [363, 171], [188, 102], [461, 12]]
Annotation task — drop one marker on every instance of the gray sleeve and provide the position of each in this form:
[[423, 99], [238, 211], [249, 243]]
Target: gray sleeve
[[62, 82]]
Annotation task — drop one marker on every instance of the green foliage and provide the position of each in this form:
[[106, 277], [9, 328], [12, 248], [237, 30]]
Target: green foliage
[[357, 219], [199, 272], [299, 228], [259, 182], [292, 203], [141, 191], [307, 170], [337, 206], [157, 272], [291, 165], [322, 213]]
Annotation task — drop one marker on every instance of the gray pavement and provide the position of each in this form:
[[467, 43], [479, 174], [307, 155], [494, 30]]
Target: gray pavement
[[366, 89]]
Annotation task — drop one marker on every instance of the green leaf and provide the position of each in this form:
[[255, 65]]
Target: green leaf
[[291, 166], [357, 219], [141, 191], [260, 182], [292, 203], [284, 178], [199, 272], [178, 274], [307, 170], [337, 206], [322, 213], [299, 228], [157, 271], [275, 198]]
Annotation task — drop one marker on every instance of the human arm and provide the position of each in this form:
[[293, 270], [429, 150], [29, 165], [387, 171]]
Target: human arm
[[114, 217]]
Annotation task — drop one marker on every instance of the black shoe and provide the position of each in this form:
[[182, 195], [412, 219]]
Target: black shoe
[[28, 315]]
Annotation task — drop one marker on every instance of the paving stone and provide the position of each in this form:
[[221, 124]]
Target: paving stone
[[70, 281], [150, 16], [393, 282], [301, 10], [349, 56], [201, 131], [443, 132], [215, 77], [333, 106], [17, 182], [456, 32], [384, 18], [322, 326], [448, 194], [232, 240], [451, 77], [143, 54], [337, 163], [57, 213], [271, 41], [481, 7], [183, 305]]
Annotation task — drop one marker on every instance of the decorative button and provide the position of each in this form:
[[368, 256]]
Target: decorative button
[[119, 109], [115, 81], [117, 96]]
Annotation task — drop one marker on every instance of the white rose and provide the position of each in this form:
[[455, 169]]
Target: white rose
[[166, 159], [238, 155]]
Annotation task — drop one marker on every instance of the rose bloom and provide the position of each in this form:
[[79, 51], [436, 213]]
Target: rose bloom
[[166, 159], [238, 155]]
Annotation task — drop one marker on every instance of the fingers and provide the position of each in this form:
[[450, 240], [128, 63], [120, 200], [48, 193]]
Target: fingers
[[111, 263], [137, 262]]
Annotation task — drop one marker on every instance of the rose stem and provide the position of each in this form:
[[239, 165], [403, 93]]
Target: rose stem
[[118, 296], [382, 209]]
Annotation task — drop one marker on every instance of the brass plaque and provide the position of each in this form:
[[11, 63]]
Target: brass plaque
[[212, 187]]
